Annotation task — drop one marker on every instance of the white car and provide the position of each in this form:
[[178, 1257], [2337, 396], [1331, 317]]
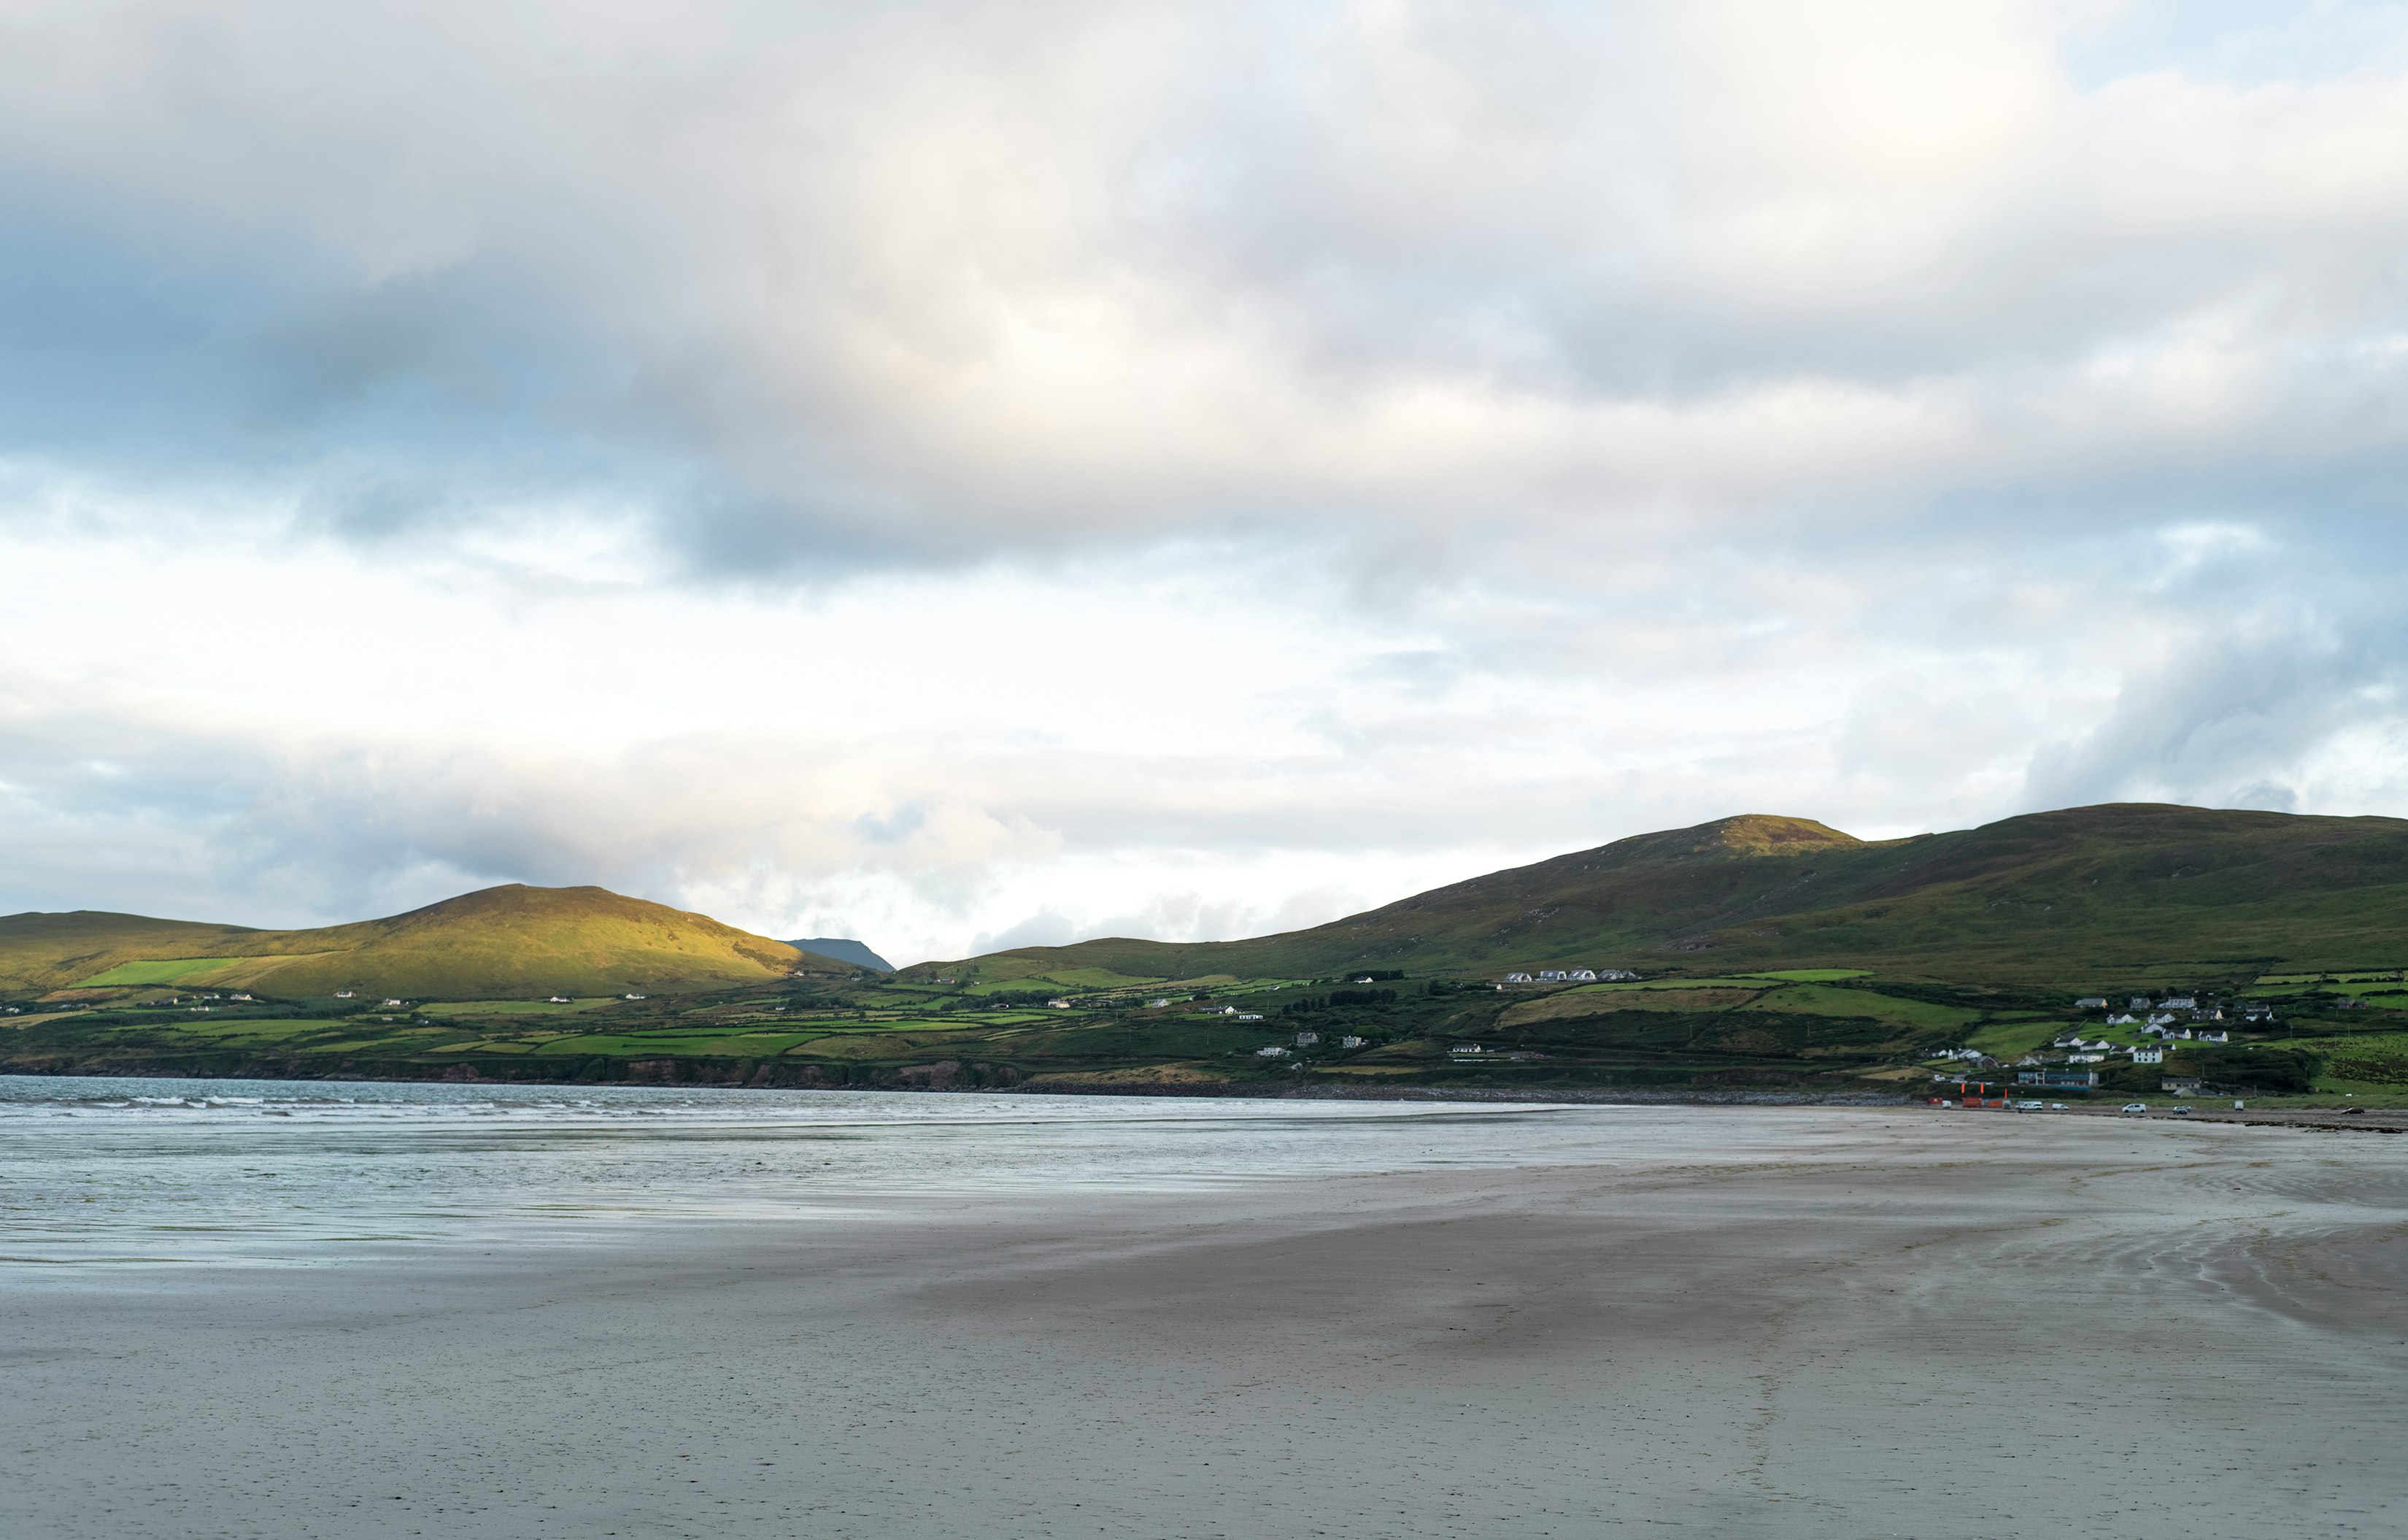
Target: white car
[[2136, 1106], [2030, 1106]]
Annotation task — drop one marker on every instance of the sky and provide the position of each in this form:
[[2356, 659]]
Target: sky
[[960, 475]]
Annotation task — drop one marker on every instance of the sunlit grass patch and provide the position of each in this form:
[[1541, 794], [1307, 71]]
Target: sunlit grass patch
[[156, 971]]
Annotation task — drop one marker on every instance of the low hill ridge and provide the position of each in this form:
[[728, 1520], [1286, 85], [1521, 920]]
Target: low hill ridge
[[498, 942]]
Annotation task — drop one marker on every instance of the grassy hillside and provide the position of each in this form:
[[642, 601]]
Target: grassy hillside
[[509, 941], [1778, 956], [2124, 891]]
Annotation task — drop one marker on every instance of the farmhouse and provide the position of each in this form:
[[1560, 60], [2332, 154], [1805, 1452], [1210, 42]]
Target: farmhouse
[[2091, 1002], [1583, 975], [1518, 978], [1305, 1040]]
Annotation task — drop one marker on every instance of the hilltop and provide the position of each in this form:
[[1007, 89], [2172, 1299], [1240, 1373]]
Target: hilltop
[[2122, 890], [509, 941]]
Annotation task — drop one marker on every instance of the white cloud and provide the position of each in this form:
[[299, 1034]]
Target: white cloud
[[938, 471]]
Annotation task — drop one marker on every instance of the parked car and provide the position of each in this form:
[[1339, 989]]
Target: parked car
[[2056, 1106], [2353, 1111], [2182, 1108], [2136, 1106], [2030, 1106]]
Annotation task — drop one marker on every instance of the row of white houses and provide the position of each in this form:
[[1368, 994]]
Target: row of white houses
[[1570, 975]]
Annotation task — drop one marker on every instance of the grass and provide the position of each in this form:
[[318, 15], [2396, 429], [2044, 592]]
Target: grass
[[515, 1007], [154, 971], [2012, 1039], [1824, 1000]]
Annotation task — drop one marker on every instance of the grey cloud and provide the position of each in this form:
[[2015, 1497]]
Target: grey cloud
[[829, 287], [2233, 720]]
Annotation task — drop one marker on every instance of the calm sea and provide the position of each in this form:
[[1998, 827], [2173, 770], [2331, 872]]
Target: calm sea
[[128, 1173]]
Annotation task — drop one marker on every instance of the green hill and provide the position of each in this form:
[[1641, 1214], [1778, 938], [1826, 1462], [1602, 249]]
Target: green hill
[[2123, 890], [502, 941]]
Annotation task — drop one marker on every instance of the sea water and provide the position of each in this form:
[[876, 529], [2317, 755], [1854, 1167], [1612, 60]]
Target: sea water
[[132, 1171]]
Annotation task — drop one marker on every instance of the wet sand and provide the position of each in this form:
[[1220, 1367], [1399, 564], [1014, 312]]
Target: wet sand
[[1949, 1326]]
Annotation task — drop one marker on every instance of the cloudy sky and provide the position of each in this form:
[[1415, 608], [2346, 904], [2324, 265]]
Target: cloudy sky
[[960, 474]]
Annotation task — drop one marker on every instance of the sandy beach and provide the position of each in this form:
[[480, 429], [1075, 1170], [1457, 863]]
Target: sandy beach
[[1933, 1326]]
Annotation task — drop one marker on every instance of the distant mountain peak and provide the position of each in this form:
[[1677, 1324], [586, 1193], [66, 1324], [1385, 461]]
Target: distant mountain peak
[[842, 950]]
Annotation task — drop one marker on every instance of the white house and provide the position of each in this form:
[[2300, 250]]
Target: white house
[[1550, 976], [1583, 975], [1465, 1050], [2083, 1059], [1250, 1016], [2215, 1037], [342, 994], [1518, 978], [2149, 1055], [631, 997], [2140, 1003], [557, 999], [1058, 1004], [2124, 1020], [1163, 1000], [1350, 1041], [1303, 1040], [2179, 1002], [1274, 1051], [2091, 1002], [388, 1002]]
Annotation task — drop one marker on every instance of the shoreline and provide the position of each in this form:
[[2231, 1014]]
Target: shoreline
[[2328, 1117]]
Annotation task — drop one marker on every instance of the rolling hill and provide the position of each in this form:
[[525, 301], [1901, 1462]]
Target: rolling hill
[[2122, 890], [509, 941]]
